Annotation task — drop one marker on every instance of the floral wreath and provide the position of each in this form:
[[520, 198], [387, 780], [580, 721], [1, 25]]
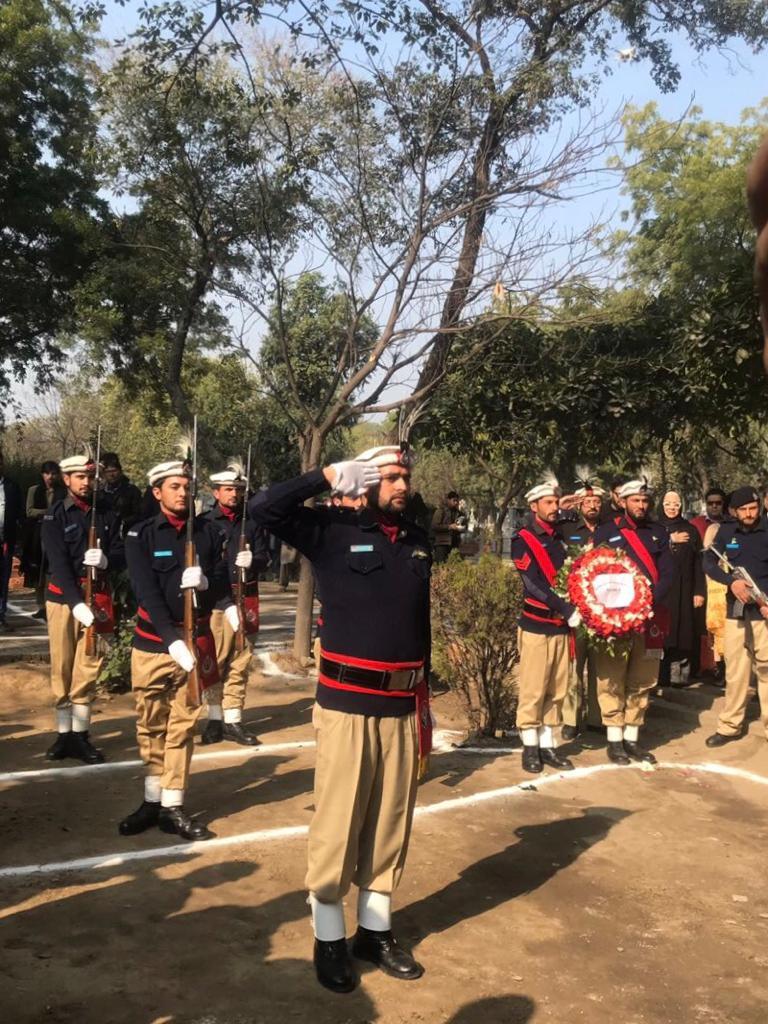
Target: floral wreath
[[576, 582]]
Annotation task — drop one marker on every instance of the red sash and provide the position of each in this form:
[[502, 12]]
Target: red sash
[[657, 628], [539, 552], [421, 693]]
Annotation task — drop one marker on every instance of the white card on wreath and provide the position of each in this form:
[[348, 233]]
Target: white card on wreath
[[614, 589]]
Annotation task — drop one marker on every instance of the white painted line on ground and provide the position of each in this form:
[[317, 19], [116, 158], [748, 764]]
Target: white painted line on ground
[[272, 835], [213, 755], [14, 637]]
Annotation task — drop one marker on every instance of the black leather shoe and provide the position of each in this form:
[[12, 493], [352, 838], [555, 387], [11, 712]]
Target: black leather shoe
[[531, 760], [176, 822], [59, 749], [234, 731], [81, 748], [141, 819], [40, 614], [213, 732], [333, 966], [636, 754], [717, 739], [570, 732], [555, 760], [616, 752], [381, 948]]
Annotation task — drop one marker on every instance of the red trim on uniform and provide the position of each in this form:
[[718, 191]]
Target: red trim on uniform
[[230, 513], [336, 685], [84, 506], [546, 527], [200, 621], [642, 553], [540, 618], [377, 666], [537, 604], [58, 591], [176, 523], [540, 554], [523, 563], [148, 636]]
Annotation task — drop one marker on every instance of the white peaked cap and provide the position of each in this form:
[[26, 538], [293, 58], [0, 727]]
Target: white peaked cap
[[387, 455], [550, 489], [163, 470], [77, 464], [229, 477], [632, 487]]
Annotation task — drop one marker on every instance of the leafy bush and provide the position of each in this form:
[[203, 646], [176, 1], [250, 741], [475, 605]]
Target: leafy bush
[[475, 607]]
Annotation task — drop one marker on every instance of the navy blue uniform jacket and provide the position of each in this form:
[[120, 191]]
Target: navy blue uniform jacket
[[65, 541], [747, 548], [544, 611], [374, 593], [154, 550], [230, 532], [654, 539]]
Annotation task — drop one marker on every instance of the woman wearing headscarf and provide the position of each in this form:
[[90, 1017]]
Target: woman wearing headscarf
[[687, 593]]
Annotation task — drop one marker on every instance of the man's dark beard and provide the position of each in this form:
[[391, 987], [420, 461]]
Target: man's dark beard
[[373, 499]]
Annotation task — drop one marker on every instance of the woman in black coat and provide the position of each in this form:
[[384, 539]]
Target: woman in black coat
[[687, 594]]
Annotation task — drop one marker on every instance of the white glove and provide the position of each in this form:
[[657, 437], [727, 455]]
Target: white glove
[[193, 579], [83, 614], [182, 655], [232, 615], [244, 559], [575, 619], [95, 558], [354, 478]]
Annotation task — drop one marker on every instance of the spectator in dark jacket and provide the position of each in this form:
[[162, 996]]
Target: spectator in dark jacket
[[11, 519]]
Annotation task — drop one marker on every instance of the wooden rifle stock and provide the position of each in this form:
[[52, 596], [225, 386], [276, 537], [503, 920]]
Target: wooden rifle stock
[[193, 677], [90, 579], [240, 591]]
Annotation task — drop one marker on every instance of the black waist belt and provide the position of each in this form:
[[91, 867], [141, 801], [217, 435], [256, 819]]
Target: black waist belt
[[542, 613], [370, 679]]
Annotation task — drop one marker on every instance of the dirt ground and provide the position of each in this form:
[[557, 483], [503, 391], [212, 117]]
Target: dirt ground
[[610, 895]]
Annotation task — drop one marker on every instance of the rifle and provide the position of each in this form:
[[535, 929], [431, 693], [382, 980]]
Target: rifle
[[93, 542], [241, 585], [740, 573], [190, 559]]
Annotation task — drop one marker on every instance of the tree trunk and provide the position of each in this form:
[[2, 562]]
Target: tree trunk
[[311, 450]]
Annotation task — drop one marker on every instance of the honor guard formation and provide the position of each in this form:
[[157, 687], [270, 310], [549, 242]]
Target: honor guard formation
[[195, 577]]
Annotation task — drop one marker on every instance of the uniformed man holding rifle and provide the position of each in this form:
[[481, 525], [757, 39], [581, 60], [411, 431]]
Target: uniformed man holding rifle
[[81, 539], [177, 573], [739, 559], [245, 553]]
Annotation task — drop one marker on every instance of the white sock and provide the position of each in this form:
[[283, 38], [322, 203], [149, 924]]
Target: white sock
[[214, 712], [327, 919], [631, 732], [152, 788], [232, 716], [374, 910], [547, 737], [530, 737], [172, 797], [64, 719], [81, 717], [615, 733]]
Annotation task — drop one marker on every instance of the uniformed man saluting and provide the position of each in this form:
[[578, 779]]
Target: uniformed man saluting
[[372, 570], [226, 699], [538, 552], [161, 660], [65, 541], [744, 544], [623, 682]]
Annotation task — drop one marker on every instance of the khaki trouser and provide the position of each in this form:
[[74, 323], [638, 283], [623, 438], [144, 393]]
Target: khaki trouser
[[746, 648], [623, 683], [365, 792], [233, 667], [545, 667], [166, 721], [574, 697], [73, 673]]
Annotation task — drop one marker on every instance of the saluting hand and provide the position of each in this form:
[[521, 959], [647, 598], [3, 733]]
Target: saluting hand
[[352, 478]]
